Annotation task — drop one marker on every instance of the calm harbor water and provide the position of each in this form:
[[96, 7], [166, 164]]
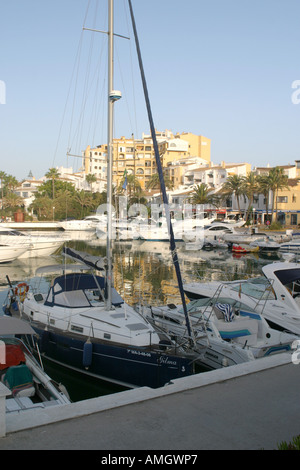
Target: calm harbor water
[[143, 273]]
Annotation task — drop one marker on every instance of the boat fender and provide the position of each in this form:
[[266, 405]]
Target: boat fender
[[87, 354], [44, 340]]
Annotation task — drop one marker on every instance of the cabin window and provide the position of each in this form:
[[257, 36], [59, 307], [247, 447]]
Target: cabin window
[[77, 329]]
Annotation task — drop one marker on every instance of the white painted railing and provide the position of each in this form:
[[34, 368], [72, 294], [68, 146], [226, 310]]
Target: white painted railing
[[4, 392]]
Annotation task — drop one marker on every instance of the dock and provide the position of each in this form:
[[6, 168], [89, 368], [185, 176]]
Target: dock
[[251, 406], [32, 225]]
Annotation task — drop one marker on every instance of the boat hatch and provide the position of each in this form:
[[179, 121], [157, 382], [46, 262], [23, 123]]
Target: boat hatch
[[137, 327]]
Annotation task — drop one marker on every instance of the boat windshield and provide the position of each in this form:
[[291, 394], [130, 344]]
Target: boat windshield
[[14, 233], [259, 288], [197, 306], [78, 290], [290, 278]]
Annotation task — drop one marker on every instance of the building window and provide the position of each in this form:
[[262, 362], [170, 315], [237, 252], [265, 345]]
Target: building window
[[293, 219], [282, 199]]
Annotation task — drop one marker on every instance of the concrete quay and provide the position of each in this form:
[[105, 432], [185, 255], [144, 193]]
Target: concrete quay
[[250, 406]]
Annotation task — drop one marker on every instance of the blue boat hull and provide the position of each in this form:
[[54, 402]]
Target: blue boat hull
[[128, 366]]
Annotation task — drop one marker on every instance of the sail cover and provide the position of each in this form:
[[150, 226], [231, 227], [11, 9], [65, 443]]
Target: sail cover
[[92, 261]]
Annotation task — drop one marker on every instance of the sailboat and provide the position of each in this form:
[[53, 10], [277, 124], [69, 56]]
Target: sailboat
[[85, 325]]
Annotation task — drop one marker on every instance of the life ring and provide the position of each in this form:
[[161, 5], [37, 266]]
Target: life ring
[[21, 290]]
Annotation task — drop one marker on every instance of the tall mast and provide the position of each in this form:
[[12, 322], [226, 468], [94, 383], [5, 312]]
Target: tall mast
[[110, 147]]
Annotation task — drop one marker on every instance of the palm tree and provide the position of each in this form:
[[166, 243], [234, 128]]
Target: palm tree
[[250, 187], [42, 205], [2, 179], [12, 200], [132, 185], [234, 185], [202, 195], [154, 182], [11, 182], [264, 187], [278, 181], [85, 199], [90, 179], [52, 174]]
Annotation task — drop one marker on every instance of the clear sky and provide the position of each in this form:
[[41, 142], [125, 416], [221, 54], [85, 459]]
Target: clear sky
[[222, 69]]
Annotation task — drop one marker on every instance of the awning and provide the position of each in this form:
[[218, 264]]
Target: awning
[[14, 326]]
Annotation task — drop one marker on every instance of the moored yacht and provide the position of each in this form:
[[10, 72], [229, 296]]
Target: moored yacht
[[10, 252], [79, 330], [36, 245], [225, 331], [275, 294]]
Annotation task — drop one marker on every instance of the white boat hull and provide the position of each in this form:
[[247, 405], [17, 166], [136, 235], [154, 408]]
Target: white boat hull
[[9, 253], [42, 249]]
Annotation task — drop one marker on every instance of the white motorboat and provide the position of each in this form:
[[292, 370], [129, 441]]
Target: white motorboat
[[275, 295], [291, 245], [232, 221], [244, 237], [36, 245], [10, 252], [226, 332], [92, 222], [267, 246], [188, 229], [30, 386]]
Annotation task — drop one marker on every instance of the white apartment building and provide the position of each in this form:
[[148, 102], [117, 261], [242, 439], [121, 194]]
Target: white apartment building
[[214, 176]]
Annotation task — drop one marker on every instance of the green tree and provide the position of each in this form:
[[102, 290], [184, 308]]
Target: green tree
[[154, 182], [10, 182], [202, 194], [250, 187], [52, 174], [11, 201], [278, 181], [264, 187], [133, 187], [2, 179], [85, 199], [42, 207], [234, 185], [90, 179], [46, 189]]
